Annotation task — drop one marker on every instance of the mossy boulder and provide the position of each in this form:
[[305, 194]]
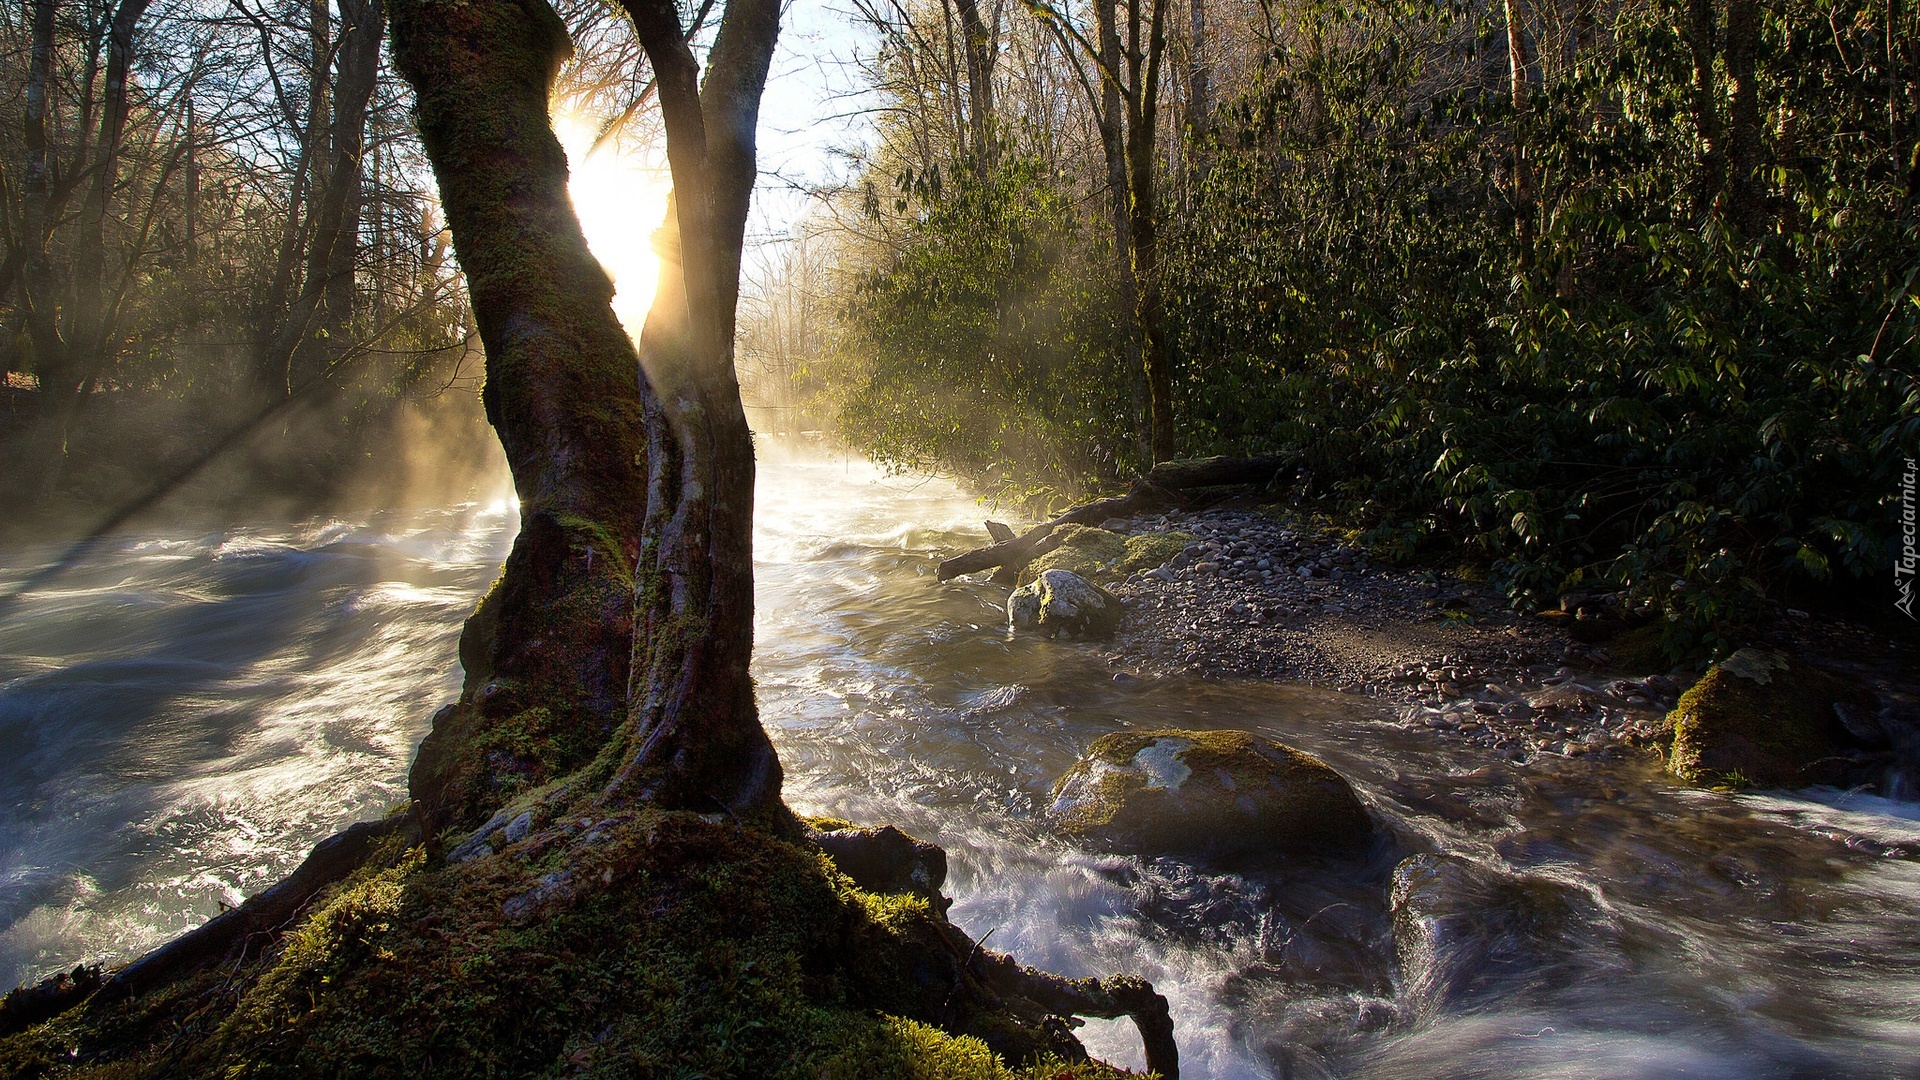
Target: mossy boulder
[[1205, 793], [1085, 551], [1759, 719], [1061, 602]]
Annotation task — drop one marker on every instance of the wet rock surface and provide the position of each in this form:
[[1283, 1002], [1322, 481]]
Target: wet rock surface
[[1463, 930], [1060, 602], [1206, 793]]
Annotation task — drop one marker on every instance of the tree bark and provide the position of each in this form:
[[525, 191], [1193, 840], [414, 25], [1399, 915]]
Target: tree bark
[[547, 653], [314, 327], [1709, 167], [1523, 201], [52, 355], [1199, 88], [982, 47], [697, 742], [1745, 153], [1143, 107]]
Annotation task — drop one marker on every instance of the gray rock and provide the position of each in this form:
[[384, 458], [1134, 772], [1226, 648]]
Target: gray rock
[[518, 828], [1062, 602]]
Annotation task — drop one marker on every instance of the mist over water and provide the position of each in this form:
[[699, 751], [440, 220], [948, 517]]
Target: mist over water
[[183, 716]]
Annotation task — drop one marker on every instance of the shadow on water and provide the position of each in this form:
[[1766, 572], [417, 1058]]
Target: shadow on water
[[195, 711]]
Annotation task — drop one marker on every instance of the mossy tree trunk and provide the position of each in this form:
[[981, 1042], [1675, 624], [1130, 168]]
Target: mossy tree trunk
[[697, 740], [547, 653]]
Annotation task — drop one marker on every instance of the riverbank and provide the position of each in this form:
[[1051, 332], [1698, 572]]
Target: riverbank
[[1252, 596]]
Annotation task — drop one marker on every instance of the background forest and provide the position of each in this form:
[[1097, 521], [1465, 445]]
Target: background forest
[[1574, 292], [224, 257]]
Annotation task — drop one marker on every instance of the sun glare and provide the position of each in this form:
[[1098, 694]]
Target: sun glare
[[620, 199]]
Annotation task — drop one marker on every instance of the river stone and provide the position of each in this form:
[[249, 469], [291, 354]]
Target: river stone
[[1757, 718], [1062, 602], [1205, 793]]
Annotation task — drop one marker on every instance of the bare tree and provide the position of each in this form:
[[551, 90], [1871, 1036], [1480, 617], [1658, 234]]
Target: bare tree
[[1127, 70]]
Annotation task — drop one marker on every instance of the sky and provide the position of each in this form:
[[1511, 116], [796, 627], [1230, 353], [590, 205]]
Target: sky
[[809, 117]]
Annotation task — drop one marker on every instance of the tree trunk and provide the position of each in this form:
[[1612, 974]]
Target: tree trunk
[[1112, 117], [51, 356], [1709, 170], [1744, 151], [309, 338], [547, 653], [1199, 89], [364, 22], [697, 739], [1523, 202], [1143, 110], [88, 331], [982, 48]]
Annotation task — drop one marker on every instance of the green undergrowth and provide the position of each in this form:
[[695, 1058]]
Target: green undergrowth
[[674, 946]]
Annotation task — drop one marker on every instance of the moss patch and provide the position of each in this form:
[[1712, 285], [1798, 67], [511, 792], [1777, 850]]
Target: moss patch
[[1091, 553], [1148, 551], [1759, 719]]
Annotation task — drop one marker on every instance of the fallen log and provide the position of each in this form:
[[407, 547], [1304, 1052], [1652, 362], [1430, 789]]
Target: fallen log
[[1162, 486]]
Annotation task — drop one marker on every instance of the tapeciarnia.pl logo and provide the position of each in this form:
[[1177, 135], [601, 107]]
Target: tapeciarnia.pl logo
[[1905, 566]]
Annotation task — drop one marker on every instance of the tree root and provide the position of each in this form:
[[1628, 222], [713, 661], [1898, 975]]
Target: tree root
[[331, 860]]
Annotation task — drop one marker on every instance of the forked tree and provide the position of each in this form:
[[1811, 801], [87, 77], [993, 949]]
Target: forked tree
[[627, 602]]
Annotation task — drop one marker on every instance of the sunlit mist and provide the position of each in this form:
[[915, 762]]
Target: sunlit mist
[[621, 198]]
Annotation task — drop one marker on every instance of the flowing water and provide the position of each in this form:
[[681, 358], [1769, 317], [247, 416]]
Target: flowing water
[[183, 715]]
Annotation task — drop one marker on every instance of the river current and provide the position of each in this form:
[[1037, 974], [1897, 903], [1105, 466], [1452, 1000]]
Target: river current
[[184, 714]]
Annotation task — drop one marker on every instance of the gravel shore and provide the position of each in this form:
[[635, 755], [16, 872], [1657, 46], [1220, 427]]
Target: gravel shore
[[1255, 597]]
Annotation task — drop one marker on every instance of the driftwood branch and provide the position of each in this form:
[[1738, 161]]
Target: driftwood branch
[[1162, 486]]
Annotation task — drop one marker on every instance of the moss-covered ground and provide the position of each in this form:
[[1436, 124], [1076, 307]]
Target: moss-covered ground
[[651, 944]]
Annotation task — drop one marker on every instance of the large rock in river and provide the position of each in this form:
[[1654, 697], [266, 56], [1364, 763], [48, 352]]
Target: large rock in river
[[1205, 793], [1757, 718], [1062, 602]]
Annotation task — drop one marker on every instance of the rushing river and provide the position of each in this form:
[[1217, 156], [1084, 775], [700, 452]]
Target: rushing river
[[183, 715]]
